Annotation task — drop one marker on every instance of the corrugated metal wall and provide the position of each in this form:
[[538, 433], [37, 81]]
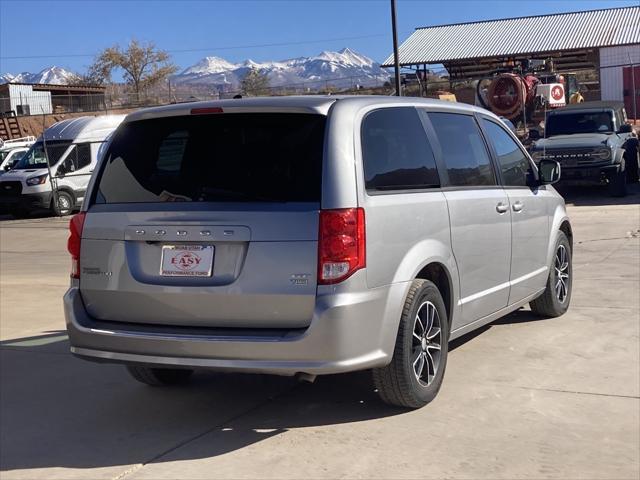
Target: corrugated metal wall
[[23, 96], [612, 60], [524, 35]]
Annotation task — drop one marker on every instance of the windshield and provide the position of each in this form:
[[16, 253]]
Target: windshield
[[35, 157], [10, 158], [238, 157], [579, 122]]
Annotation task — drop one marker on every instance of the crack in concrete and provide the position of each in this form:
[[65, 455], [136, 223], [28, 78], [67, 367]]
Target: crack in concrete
[[605, 239], [578, 307], [608, 255], [187, 441], [578, 392]]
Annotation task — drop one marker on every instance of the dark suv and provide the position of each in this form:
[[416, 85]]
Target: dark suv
[[593, 143]]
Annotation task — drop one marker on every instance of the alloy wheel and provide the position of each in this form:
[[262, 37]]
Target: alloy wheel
[[64, 205], [426, 343], [562, 274]]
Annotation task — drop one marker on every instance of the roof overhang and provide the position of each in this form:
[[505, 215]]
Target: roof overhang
[[58, 89], [520, 36]]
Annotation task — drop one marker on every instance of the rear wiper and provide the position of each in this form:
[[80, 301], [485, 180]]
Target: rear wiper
[[407, 187]]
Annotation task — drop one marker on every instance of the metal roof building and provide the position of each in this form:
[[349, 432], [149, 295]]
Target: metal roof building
[[603, 44], [474, 48], [39, 98]]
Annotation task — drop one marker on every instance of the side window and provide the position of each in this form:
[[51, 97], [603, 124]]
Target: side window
[[69, 164], [463, 150], [79, 157], [514, 164], [83, 155], [621, 116], [396, 152]]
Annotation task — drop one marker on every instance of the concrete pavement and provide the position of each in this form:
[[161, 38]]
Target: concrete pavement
[[522, 398]]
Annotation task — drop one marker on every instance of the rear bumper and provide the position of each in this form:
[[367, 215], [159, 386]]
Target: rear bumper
[[349, 331], [27, 201], [588, 175]]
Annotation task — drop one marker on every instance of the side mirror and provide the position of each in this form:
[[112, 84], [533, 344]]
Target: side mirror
[[61, 172], [548, 171], [7, 167], [625, 128], [534, 134]]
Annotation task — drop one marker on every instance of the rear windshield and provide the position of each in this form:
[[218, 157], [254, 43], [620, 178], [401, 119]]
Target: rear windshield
[[228, 157]]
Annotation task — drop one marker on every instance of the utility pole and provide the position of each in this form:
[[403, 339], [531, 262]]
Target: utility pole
[[396, 59], [634, 95]]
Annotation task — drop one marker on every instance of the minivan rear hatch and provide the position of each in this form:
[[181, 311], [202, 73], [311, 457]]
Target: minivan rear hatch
[[206, 220]]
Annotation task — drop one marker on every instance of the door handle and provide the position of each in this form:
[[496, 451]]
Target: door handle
[[501, 208], [518, 206]]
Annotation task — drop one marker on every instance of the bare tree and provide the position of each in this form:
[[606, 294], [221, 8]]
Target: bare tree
[[143, 65], [96, 75], [255, 83]]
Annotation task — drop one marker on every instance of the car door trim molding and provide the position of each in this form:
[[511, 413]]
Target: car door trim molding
[[469, 327], [504, 285]]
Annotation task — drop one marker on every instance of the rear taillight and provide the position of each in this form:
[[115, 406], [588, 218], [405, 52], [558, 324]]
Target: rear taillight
[[341, 244], [73, 244]]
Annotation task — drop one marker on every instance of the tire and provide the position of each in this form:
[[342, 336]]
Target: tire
[[158, 377], [554, 302], [632, 162], [65, 203], [618, 184], [398, 383]]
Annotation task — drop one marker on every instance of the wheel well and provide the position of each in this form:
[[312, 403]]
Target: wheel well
[[437, 274], [566, 229], [68, 191]]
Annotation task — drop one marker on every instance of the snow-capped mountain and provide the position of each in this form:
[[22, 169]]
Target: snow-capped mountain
[[52, 75], [341, 68]]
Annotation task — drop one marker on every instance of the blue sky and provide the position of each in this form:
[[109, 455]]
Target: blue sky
[[61, 29]]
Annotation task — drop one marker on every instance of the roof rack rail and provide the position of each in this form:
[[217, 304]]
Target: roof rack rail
[[28, 138]]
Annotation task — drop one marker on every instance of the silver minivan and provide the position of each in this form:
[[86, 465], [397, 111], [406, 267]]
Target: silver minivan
[[311, 235]]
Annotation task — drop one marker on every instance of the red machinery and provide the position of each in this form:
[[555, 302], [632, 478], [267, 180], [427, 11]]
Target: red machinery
[[508, 92], [515, 95]]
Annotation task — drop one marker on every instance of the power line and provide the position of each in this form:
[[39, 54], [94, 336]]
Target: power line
[[186, 50]]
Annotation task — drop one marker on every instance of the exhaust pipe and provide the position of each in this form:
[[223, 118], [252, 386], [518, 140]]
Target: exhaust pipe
[[305, 377]]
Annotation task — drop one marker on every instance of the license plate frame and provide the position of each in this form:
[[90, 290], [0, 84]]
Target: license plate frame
[[190, 261]]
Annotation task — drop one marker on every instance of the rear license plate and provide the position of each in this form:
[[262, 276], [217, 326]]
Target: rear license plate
[[187, 260]]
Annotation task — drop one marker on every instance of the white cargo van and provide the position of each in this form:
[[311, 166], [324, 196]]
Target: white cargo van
[[12, 150], [71, 147]]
